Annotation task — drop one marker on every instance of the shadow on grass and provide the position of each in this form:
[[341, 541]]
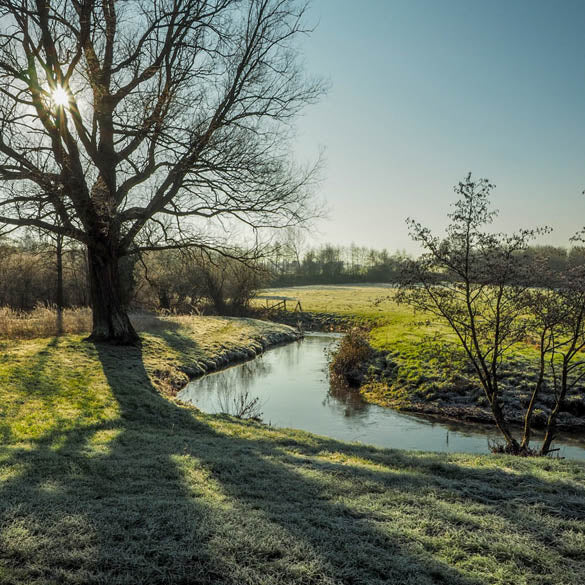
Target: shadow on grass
[[35, 383], [163, 495]]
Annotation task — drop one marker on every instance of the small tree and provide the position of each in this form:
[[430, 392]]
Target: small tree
[[472, 281], [559, 315]]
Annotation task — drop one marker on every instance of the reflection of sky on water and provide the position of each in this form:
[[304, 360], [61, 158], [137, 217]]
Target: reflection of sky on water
[[293, 387]]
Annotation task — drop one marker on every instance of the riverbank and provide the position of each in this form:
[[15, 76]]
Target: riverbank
[[105, 479], [410, 371], [54, 384]]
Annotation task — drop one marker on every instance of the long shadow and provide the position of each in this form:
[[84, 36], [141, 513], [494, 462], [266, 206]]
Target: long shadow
[[105, 502], [267, 502], [162, 495], [256, 477]]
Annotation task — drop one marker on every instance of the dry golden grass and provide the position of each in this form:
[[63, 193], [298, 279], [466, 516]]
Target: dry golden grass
[[42, 322]]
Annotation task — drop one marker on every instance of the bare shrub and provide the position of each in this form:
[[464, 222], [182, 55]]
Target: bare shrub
[[239, 403], [349, 360]]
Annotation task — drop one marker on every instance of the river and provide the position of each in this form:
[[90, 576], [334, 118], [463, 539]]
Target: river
[[291, 388]]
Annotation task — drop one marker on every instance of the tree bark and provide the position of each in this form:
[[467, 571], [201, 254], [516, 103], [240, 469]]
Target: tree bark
[[59, 293], [110, 317], [551, 428], [551, 423], [525, 445], [527, 435], [502, 424]]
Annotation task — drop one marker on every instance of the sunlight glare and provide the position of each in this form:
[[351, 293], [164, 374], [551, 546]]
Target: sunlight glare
[[60, 96]]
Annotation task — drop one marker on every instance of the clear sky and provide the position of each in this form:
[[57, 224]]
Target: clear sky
[[423, 91]]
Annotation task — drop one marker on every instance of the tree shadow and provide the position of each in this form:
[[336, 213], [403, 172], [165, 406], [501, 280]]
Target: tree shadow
[[164, 495], [45, 390], [275, 503]]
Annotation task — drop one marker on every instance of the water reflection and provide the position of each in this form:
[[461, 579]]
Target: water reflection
[[345, 399], [292, 386], [244, 376]]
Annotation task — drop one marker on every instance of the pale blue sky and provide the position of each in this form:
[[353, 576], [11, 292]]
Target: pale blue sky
[[423, 91]]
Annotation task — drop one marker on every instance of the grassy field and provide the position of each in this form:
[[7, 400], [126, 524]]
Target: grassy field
[[418, 374], [371, 305], [104, 479]]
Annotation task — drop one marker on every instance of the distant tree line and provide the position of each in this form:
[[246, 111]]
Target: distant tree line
[[36, 268], [330, 264]]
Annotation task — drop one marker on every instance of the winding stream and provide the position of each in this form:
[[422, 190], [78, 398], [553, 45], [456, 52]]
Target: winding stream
[[292, 388]]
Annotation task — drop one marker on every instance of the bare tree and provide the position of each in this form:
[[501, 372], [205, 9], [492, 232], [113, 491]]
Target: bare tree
[[473, 281], [142, 125], [559, 312]]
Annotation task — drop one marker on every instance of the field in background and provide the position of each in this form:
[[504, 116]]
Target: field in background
[[372, 305], [418, 373]]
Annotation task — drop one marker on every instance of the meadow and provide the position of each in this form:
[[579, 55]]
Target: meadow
[[420, 367], [105, 478]]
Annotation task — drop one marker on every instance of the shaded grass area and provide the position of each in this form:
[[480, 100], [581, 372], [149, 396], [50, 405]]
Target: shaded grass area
[[417, 371], [129, 487]]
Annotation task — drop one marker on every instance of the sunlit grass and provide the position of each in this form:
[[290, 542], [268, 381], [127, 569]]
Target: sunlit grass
[[424, 378], [118, 484], [53, 385], [372, 305]]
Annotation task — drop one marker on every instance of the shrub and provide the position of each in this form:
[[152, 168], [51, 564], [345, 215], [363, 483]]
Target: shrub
[[239, 403], [349, 361]]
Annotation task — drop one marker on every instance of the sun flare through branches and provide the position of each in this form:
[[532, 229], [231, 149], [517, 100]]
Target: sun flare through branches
[[60, 96]]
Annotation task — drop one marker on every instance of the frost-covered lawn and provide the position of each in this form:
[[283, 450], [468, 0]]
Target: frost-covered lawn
[[104, 479]]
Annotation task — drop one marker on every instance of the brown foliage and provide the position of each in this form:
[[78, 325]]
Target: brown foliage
[[349, 360]]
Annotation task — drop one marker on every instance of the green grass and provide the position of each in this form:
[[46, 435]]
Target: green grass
[[370, 305], [423, 377], [104, 479], [373, 304]]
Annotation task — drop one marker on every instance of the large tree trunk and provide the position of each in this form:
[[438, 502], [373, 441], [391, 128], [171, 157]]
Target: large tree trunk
[[110, 318], [59, 293]]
